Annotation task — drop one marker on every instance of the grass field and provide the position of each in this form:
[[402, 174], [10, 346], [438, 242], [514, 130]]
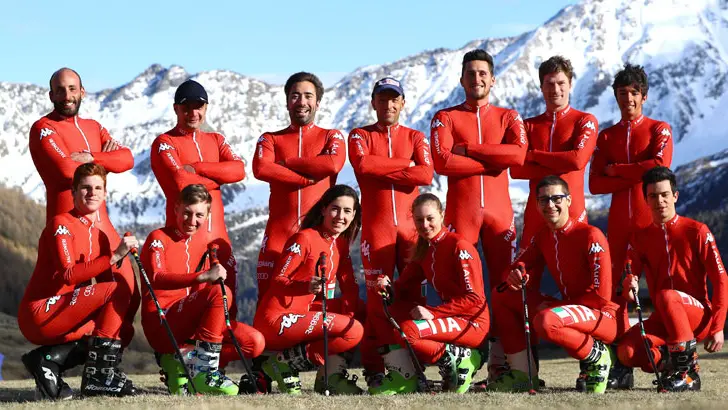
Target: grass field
[[559, 375]]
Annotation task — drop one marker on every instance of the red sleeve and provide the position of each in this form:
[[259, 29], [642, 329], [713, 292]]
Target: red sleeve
[[266, 169], [228, 170], [408, 285], [117, 161], [154, 260], [660, 155], [167, 166], [585, 140], [421, 174], [599, 183], [534, 261], [347, 280], [286, 267], [327, 163], [599, 264], [511, 151], [468, 275], [714, 267], [445, 162], [50, 154], [368, 164], [74, 273]]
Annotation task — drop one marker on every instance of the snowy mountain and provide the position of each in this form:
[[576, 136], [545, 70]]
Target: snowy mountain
[[682, 43]]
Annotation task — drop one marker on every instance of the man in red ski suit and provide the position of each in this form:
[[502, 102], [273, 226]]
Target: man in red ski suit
[[677, 255], [390, 162]]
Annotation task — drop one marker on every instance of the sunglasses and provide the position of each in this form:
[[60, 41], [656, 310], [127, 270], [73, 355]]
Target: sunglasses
[[556, 199]]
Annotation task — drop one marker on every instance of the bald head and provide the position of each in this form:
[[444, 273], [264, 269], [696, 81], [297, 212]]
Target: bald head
[[66, 92], [64, 70]]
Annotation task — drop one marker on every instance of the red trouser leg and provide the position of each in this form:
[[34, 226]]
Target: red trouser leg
[[97, 309], [290, 329], [251, 341], [274, 239], [198, 316], [679, 318], [428, 337], [498, 237], [574, 327], [508, 316], [618, 238]]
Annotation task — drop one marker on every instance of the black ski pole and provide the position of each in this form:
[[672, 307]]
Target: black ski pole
[[526, 327], [321, 267]]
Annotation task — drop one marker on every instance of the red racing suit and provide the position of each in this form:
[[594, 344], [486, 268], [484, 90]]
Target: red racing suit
[[60, 304], [677, 257], [285, 315], [452, 266], [577, 255], [300, 163], [52, 140], [478, 200], [559, 143], [194, 310]]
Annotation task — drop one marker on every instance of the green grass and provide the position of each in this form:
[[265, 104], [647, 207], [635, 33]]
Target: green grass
[[559, 375]]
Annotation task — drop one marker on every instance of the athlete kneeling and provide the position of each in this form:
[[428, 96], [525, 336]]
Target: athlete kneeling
[[287, 315], [192, 300], [583, 321], [447, 335]]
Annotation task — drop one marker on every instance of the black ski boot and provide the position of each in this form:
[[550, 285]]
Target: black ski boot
[[101, 374], [684, 376], [47, 363], [621, 377]]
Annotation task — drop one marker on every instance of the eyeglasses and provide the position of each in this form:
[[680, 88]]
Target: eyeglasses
[[556, 199]]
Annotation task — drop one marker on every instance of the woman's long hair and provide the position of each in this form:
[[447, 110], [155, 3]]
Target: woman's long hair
[[315, 216], [420, 249]]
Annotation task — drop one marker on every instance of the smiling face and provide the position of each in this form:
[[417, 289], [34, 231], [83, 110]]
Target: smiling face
[[388, 105], [554, 205], [477, 81], [630, 101], [302, 103], [661, 201], [89, 195], [191, 217], [428, 220], [66, 93], [338, 215], [190, 115], [555, 89]]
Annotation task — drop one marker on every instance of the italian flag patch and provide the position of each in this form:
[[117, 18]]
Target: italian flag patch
[[423, 327], [565, 315]]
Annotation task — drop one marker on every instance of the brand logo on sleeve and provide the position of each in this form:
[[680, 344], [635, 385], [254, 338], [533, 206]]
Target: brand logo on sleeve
[[666, 132], [709, 238], [464, 255], [61, 230], [45, 132], [590, 125], [156, 244], [338, 136], [295, 248], [164, 147], [365, 250], [595, 247], [437, 123]]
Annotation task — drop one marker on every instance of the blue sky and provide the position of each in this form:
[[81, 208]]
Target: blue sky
[[110, 43]]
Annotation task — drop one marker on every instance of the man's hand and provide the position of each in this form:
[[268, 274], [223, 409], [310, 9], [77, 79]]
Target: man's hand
[[460, 149], [215, 273], [109, 146], [714, 343], [316, 285], [189, 168], [629, 283], [421, 313], [514, 278], [411, 164], [127, 243], [83, 157]]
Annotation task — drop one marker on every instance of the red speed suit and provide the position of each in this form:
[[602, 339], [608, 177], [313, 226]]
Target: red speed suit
[[381, 156], [577, 256], [300, 163], [52, 140], [478, 200], [194, 310], [60, 304], [452, 266], [215, 164], [677, 257], [285, 315], [559, 143]]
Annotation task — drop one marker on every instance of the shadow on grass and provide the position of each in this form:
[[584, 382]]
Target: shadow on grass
[[24, 395]]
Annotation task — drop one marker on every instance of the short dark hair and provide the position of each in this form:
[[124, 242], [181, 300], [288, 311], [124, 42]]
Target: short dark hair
[[59, 71], [420, 249], [301, 77], [553, 180], [314, 217], [88, 169], [658, 174], [631, 75], [478, 55], [554, 65], [194, 194]]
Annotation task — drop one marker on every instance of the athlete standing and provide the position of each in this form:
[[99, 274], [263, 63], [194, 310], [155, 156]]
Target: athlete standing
[[390, 162]]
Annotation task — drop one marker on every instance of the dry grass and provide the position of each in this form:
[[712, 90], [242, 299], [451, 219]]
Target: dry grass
[[558, 373]]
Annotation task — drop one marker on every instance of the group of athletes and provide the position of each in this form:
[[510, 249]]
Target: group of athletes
[[82, 297]]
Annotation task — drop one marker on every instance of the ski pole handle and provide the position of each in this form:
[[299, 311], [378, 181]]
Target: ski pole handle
[[213, 247], [504, 285]]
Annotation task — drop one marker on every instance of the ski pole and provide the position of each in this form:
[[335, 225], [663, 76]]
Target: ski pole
[[321, 268]]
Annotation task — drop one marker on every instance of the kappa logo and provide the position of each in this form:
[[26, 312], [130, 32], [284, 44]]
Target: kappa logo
[[45, 132], [426, 140], [709, 238], [464, 255], [295, 248], [289, 320], [365, 250], [590, 125], [357, 137], [165, 147], [437, 123], [51, 301], [261, 139], [61, 230], [666, 132], [338, 136], [264, 244], [48, 374], [519, 118], [596, 247], [156, 244]]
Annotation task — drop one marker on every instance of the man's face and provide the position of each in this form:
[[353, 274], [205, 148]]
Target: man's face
[[66, 93], [630, 101], [554, 205], [302, 103], [661, 201], [555, 89], [388, 104], [191, 115], [477, 80]]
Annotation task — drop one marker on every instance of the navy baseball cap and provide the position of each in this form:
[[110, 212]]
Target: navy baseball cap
[[388, 83], [188, 91]]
